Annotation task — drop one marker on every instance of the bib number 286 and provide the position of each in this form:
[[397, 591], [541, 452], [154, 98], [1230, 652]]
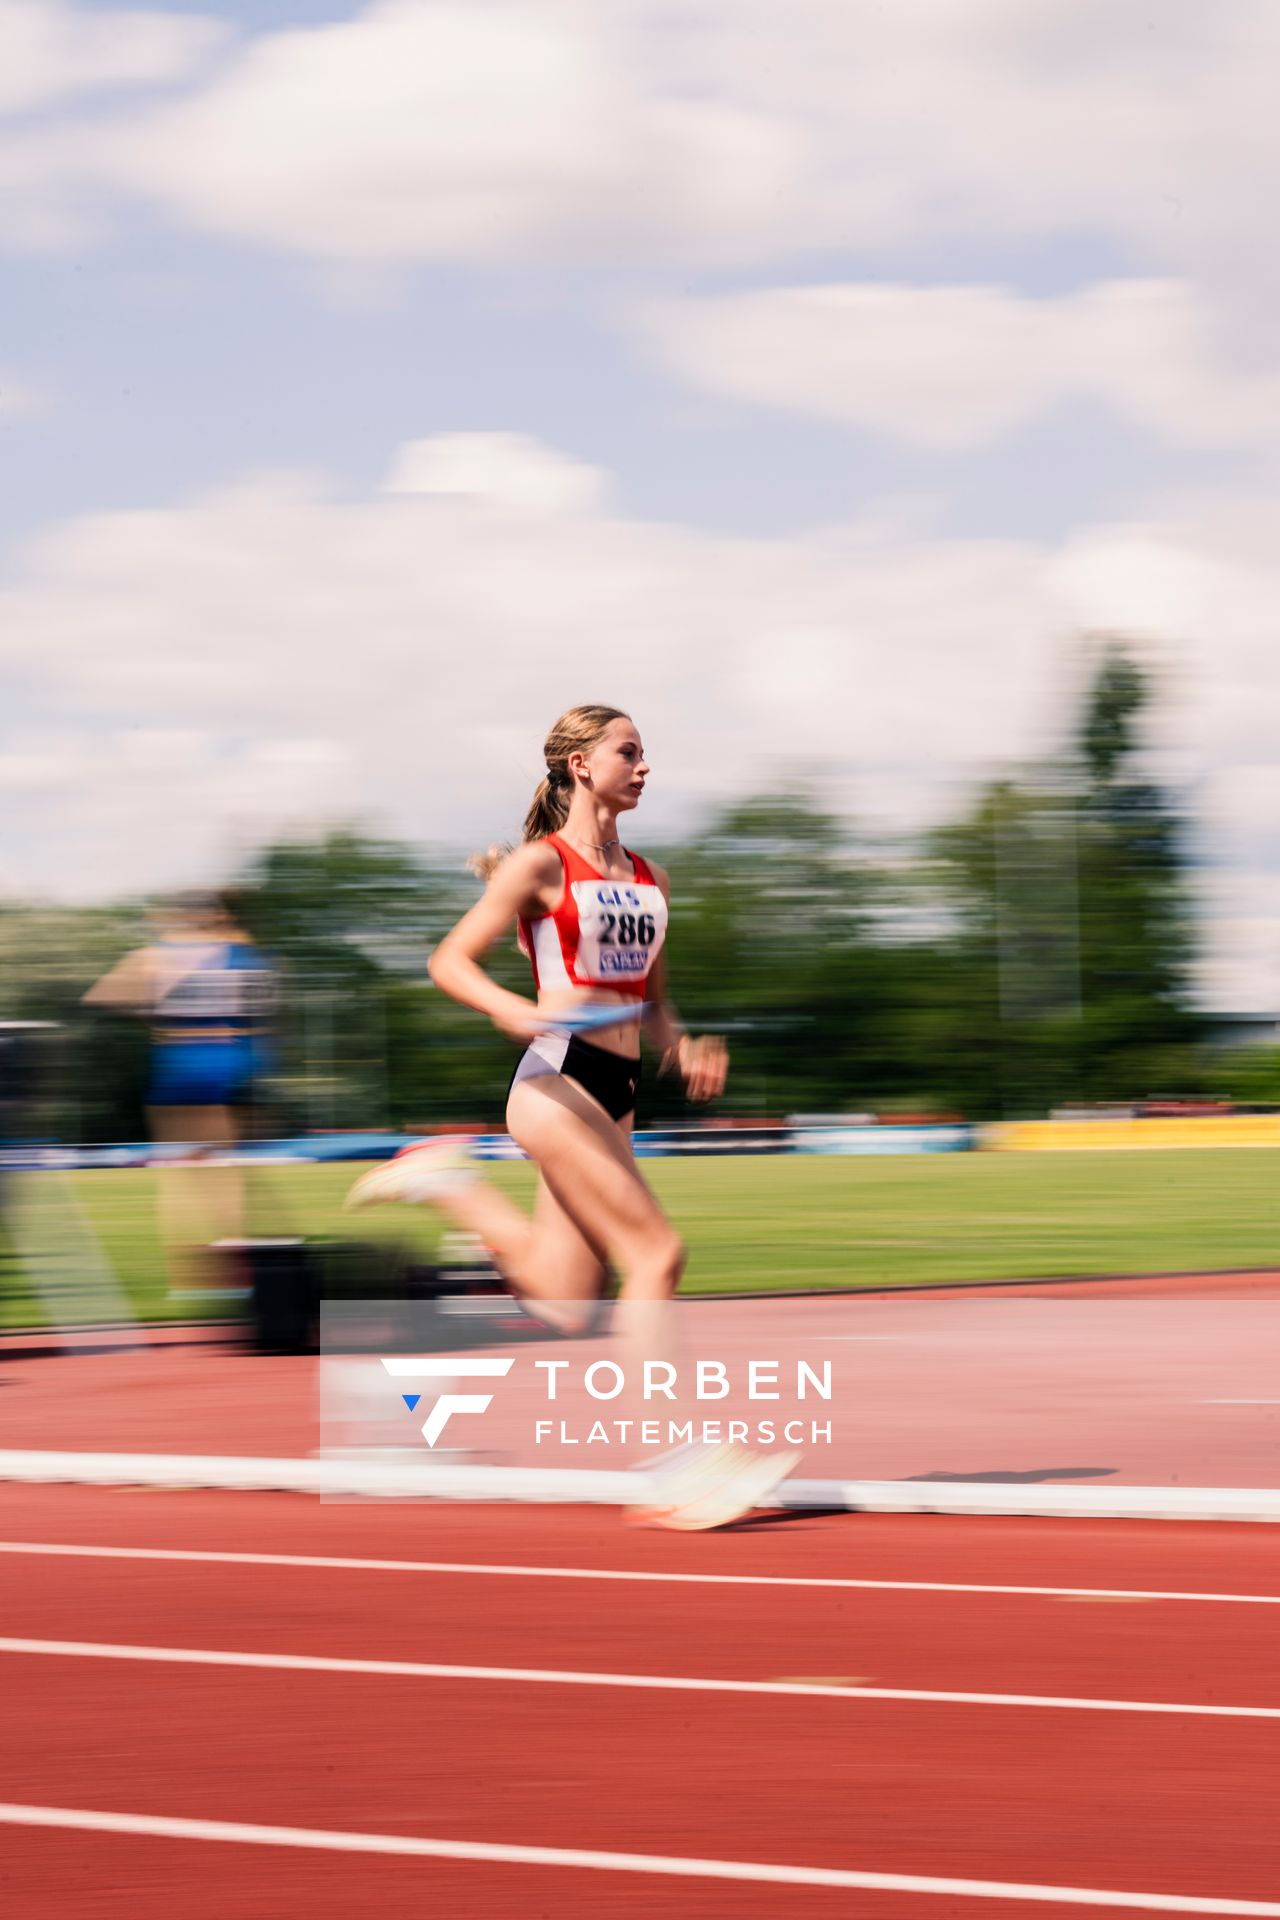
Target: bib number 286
[[627, 929]]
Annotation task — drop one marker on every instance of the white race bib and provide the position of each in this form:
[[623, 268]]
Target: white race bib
[[621, 928]]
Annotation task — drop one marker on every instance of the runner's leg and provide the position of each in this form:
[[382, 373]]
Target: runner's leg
[[593, 1208], [197, 1203], [588, 1165]]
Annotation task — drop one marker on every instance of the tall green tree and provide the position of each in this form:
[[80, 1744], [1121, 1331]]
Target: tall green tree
[[1069, 956], [1137, 926]]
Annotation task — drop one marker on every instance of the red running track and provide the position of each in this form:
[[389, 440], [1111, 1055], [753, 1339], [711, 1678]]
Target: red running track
[[1115, 1385], [1025, 1794]]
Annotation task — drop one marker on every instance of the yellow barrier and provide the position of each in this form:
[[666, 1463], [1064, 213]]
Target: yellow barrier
[[1092, 1136]]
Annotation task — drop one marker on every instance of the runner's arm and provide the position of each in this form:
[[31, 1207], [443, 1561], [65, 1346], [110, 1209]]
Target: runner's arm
[[703, 1064], [520, 886], [129, 987]]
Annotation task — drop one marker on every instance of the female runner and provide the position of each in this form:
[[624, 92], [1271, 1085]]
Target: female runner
[[592, 918]]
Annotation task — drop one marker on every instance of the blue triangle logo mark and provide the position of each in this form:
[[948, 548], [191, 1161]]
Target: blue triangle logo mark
[[411, 1400]]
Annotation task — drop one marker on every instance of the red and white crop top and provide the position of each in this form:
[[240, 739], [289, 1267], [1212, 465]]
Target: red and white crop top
[[605, 933]]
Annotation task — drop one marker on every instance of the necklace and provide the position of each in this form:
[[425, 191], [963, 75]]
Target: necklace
[[599, 846]]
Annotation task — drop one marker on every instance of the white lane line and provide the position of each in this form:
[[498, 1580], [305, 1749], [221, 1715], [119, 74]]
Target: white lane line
[[344, 1563], [607, 1486], [329, 1840], [572, 1677]]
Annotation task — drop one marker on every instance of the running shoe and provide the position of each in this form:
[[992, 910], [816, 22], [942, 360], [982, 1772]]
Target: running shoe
[[714, 1486], [415, 1174]]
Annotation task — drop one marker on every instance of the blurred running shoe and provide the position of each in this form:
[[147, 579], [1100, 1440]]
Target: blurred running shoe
[[415, 1174], [705, 1487]]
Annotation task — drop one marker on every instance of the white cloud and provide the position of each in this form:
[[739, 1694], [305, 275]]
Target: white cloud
[[496, 130], [274, 653], [1240, 806], [479, 131], [1203, 582], [1240, 968], [430, 639], [57, 62], [954, 366], [500, 469], [129, 808], [35, 765], [51, 52]]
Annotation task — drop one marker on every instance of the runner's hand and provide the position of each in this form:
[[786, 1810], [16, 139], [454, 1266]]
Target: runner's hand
[[520, 1020], [704, 1066]]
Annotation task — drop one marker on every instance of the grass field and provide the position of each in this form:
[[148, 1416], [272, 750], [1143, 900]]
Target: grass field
[[811, 1222]]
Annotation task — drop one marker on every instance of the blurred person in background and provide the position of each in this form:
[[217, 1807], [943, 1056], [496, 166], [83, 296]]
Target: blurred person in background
[[592, 918], [209, 995], [20, 1072]]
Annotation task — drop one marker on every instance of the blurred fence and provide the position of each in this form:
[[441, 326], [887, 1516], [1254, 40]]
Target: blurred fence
[[728, 1138]]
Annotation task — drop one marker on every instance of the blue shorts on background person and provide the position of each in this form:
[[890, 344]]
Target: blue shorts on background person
[[210, 1015]]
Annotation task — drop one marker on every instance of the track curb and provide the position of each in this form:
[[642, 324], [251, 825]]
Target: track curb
[[345, 1478]]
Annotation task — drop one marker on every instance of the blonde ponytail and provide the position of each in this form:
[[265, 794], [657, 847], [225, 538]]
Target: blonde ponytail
[[577, 731], [549, 808]]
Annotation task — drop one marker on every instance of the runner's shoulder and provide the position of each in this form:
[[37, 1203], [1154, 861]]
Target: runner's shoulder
[[531, 872]]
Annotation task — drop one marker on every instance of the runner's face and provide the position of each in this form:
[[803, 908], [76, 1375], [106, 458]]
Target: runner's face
[[617, 766]]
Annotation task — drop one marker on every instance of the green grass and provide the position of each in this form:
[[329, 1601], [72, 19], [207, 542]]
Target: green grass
[[812, 1222]]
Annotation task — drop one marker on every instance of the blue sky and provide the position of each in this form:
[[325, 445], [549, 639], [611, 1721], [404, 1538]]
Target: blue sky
[[374, 380], [174, 362]]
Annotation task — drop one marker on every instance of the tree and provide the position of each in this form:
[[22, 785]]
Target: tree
[[94, 1068], [1036, 950], [352, 919], [774, 943], [1070, 955]]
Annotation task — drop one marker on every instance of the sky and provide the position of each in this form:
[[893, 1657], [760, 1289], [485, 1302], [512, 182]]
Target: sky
[[807, 377]]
